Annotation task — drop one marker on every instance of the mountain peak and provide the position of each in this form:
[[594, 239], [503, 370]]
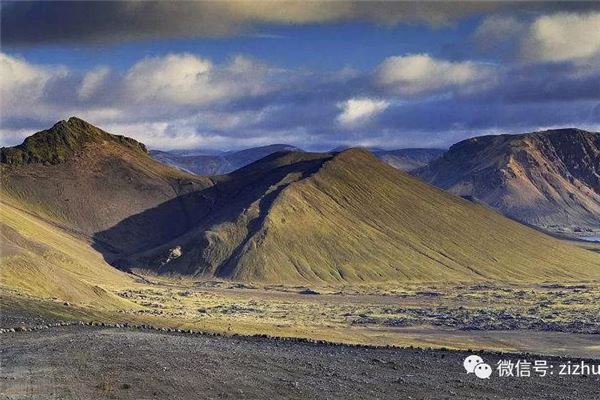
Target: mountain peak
[[61, 142]]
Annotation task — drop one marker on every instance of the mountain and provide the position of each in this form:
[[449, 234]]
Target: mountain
[[403, 159], [409, 159], [62, 142], [348, 218], [75, 198], [61, 187], [87, 180], [218, 163], [549, 179]]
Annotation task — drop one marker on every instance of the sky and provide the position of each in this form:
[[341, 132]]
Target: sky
[[235, 74]]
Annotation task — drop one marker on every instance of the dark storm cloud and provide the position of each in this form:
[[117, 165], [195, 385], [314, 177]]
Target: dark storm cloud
[[28, 23]]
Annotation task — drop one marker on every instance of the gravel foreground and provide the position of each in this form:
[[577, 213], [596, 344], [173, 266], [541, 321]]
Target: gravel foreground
[[82, 362]]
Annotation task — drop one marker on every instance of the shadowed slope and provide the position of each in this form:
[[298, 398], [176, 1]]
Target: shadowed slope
[[236, 206], [351, 219]]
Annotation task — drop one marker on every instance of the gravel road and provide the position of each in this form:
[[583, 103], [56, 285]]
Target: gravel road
[[82, 362]]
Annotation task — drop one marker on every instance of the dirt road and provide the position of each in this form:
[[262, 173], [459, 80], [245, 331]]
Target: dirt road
[[81, 362]]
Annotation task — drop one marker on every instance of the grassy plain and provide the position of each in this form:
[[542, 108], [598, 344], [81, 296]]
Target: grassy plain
[[548, 318]]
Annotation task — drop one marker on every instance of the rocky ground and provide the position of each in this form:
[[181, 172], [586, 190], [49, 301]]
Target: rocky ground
[[82, 362]]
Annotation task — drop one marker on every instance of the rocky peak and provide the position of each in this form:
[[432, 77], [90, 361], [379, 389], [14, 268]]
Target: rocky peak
[[61, 142]]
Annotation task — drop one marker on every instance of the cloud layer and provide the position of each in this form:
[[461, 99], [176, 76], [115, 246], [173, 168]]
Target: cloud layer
[[29, 23], [548, 38], [184, 100], [548, 75]]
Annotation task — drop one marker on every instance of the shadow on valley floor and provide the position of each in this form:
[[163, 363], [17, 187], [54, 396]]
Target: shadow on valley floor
[[197, 212]]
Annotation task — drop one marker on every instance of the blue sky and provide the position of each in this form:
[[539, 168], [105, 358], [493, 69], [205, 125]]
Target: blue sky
[[357, 45], [317, 75]]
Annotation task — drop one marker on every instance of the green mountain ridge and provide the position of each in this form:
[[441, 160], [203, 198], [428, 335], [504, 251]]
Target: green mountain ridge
[[350, 218]]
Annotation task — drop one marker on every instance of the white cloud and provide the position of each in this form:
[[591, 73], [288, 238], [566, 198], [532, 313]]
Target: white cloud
[[158, 135], [10, 137], [188, 79], [562, 37], [175, 78], [419, 73], [357, 111], [22, 84], [92, 81]]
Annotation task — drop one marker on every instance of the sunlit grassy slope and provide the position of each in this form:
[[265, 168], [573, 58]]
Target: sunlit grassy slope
[[41, 260], [353, 219]]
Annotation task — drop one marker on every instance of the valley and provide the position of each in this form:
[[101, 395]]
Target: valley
[[299, 200], [479, 316]]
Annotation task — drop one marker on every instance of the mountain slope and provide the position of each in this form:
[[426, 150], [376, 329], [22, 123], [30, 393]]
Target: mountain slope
[[349, 218], [39, 259], [550, 179], [217, 164], [62, 186], [86, 180]]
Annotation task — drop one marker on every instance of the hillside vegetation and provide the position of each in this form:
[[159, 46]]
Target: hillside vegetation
[[349, 218], [40, 260]]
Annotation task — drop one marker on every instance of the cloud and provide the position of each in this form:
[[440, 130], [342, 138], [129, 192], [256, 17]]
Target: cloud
[[421, 73], [23, 84], [188, 79], [500, 34], [34, 23], [357, 111], [92, 81], [185, 100], [174, 78], [563, 37], [558, 37]]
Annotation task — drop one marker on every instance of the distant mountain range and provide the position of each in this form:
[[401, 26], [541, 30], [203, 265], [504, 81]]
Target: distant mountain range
[[218, 162], [408, 159], [550, 179], [289, 218]]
